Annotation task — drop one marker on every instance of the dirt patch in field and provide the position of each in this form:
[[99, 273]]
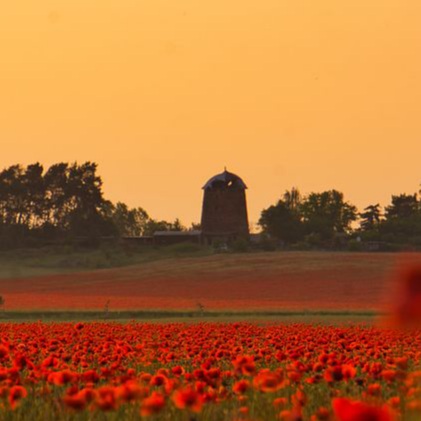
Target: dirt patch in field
[[237, 282]]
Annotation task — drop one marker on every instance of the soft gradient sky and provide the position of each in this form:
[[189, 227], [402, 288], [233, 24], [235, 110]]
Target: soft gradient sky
[[164, 93]]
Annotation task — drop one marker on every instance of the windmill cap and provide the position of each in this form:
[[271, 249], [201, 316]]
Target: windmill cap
[[225, 178]]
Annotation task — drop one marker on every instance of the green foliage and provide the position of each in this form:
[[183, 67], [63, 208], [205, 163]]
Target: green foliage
[[283, 221], [327, 213], [184, 248], [302, 246], [65, 203], [355, 245], [152, 226], [370, 218], [240, 245], [324, 220], [402, 206], [48, 260], [399, 229], [66, 200], [267, 243], [313, 240], [317, 217], [219, 246], [129, 222]]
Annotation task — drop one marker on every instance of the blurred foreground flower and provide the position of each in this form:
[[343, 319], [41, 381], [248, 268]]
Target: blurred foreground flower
[[347, 410], [406, 311]]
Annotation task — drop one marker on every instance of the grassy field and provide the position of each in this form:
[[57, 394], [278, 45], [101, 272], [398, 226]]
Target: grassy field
[[178, 280], [32, 262], [318, 317]]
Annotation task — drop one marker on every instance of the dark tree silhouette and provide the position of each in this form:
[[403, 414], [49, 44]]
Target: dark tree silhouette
[[319, 215], [283, 221], [327, 213], [402, 206], [130, 222], [370, 218]]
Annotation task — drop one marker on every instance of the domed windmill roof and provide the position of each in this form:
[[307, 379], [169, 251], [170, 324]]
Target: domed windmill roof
[[225, 179]]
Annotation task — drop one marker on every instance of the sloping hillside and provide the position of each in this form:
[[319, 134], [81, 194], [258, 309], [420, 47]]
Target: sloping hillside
[[295, 280]]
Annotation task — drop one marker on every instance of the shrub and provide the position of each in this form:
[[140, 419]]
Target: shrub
[[240, 245], [355, 245], [185, 248]]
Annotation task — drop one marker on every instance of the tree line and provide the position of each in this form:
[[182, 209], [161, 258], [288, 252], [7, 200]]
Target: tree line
[[65, 201], [327, 220]]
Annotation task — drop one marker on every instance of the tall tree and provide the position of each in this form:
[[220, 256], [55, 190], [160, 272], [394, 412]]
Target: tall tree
[[153, 225], [56, 194], [402, 206], [34, 204], [403, 220], [130, 222], [84, 200], [292, 199], [370, 218], [177, 225], [328, 213], [12, 195], [283, 221]]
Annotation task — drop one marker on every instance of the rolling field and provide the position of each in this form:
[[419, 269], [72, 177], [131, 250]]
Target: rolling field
[[323, 368], [255, 281]]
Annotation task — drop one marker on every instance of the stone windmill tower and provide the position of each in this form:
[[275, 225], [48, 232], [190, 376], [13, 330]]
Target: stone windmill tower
[[224, 211]]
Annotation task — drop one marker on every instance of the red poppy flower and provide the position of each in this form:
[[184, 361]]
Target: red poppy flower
[[322, 414], [77, 401], [90, 376], [158, 380], [106, 398], [130, 391], [60, 378], [187, 398], [244, 364], [4, 352], [267, 381], [241, 387], [16, 393], [152, 405], [389, 375]]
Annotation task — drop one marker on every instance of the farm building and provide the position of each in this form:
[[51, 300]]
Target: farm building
[[175, 237]]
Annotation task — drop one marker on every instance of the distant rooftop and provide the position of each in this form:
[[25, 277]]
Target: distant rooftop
[[192, 233]]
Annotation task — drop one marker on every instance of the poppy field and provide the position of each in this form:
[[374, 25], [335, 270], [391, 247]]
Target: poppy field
[[208, 371], [237, 282]]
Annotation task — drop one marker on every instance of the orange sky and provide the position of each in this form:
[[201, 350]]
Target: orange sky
[[164, 93]]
